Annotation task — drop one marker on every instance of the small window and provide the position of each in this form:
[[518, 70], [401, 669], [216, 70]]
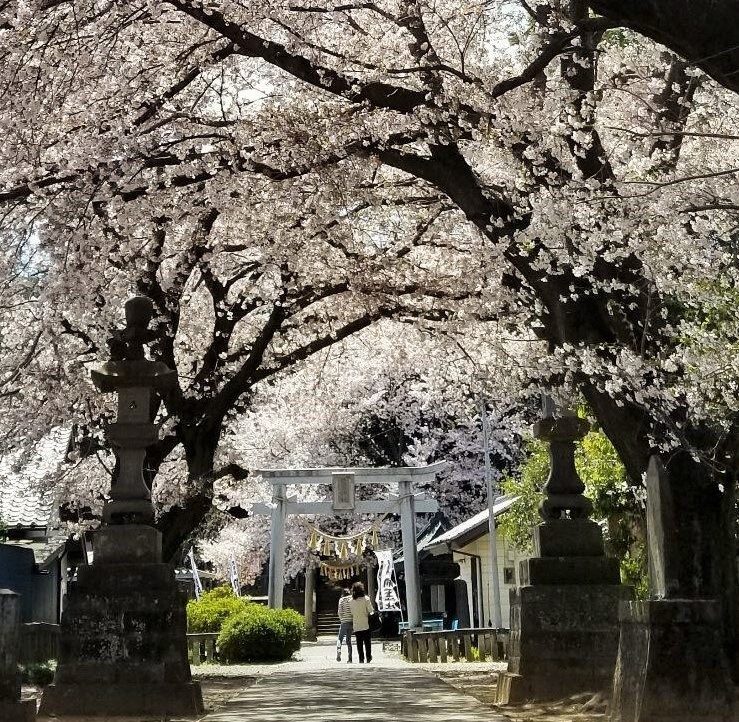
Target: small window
[[509, 575]]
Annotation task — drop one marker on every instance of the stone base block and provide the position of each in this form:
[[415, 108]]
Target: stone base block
[[24, 711], [515, 689], [568, 538], [671, 667], [122, 700], [123, 649], [128, 544], [564, 640], [510, 689], [570, 571]]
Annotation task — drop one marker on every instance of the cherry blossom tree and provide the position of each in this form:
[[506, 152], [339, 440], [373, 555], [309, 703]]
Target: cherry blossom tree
[[278, 175], [704, 33], [413, 401]]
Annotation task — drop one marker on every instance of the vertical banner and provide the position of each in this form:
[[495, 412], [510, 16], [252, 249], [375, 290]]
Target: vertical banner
[[387, 599], [195, 575], [233, 574]]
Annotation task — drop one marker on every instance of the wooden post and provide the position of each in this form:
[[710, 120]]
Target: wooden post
[[277, 549], [309, 605], [372, 583], [422, 649], [468, 647], [411, 648], [494, 650], [432, 642], [455, 647], [410, 554], [442, 647]]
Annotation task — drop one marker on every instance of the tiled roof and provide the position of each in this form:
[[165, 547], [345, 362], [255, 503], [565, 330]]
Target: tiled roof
[[22, 503], [476, 525], [44, 550]]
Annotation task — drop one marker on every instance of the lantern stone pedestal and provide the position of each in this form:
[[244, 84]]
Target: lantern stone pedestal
[[123, 647], [564, 615], [564, 621], [655, 680], [671, 662]]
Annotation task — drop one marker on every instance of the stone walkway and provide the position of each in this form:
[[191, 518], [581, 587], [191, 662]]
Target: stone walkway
[[360, 693], [314, 687]]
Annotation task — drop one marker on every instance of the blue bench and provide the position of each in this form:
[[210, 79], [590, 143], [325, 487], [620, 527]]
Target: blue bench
[[433, 624]]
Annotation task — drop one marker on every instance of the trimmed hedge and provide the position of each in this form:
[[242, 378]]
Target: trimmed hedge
[[38, 673], [208, 613], [259, 634]]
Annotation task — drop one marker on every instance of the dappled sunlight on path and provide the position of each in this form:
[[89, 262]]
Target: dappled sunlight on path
[[360, 693]]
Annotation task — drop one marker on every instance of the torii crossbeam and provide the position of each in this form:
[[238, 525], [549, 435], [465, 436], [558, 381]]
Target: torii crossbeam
[[343, 482]]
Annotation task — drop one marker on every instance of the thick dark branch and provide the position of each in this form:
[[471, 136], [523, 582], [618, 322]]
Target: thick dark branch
[[169, 303], [579, 72], [448, 170], [92, 347], [240, 382], [559, 44], [673, 105], [380, 95], [322, 342], [704, 33], [152, 107]]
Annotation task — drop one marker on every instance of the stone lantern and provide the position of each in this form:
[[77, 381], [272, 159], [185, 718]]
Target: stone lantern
[[123, 647], [564, 614]]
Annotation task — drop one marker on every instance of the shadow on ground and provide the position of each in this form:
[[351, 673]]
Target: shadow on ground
[[360, 694]]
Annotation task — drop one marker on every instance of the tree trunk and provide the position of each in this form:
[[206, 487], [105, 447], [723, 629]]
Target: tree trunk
[[705, 515], [178, 524]]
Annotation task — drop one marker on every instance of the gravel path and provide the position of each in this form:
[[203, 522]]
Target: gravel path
[[322, 655]]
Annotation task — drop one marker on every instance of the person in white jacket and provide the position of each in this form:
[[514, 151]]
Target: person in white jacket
[[361, 608], [345, 625]]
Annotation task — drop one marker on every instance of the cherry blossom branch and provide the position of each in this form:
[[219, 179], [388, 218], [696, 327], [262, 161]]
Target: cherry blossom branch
[[378, 94], [559, 44], [706, 34]]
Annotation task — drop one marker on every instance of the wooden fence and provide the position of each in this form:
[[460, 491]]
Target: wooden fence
[[39, 642], [201, 647], [476, 644]]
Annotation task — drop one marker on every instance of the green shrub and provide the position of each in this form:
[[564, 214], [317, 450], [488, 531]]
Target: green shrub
[[208, 613], [259, 634], [39, 674]]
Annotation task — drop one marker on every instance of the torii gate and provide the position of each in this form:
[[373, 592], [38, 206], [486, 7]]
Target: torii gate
[[343, 482]]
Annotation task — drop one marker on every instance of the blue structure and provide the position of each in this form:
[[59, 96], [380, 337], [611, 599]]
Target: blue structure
[[33, 552]]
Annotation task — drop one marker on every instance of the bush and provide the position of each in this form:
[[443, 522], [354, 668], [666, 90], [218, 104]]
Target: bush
[[208, 613], [39, 674], [259, 634]]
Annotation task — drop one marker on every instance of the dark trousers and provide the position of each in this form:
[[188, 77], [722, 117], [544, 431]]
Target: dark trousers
[[364, 644]]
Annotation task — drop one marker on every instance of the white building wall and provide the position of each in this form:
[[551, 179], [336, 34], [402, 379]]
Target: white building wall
[[508, 558]]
